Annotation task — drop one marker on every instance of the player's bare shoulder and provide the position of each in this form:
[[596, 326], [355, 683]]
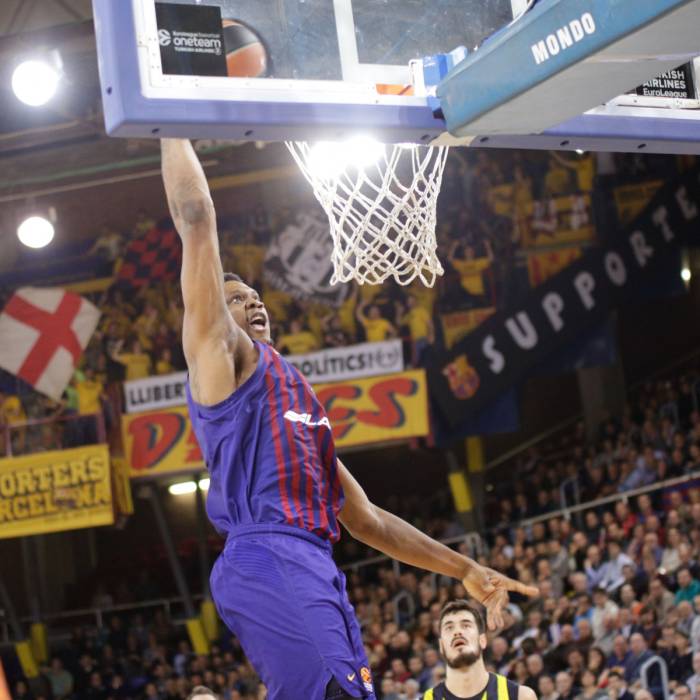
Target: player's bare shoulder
[[525, 693]]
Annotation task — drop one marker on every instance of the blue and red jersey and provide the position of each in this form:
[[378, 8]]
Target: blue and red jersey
[[270, 452]]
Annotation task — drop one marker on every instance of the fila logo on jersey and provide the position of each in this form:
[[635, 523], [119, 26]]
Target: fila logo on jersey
[[306, 419], [564, 38]]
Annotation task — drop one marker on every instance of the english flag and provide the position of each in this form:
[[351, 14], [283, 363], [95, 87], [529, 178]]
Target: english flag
[[44, 332]]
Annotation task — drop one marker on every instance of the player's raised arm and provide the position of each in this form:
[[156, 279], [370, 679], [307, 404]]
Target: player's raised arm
[[398, 539], [209, 334]]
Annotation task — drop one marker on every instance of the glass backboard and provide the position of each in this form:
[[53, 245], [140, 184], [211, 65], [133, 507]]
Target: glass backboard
[[274, 70]]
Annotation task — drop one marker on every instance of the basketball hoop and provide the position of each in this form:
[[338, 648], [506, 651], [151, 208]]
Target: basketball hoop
[[382, 214]]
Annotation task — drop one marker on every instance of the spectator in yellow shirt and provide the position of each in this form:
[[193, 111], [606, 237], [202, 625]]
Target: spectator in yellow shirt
[[558, 180], [377, 328], [584, 167], [420, 325], [13, 415], [298, 341], [137, 362], [146, 325], [471, 271], [90, 391], [164, 364]]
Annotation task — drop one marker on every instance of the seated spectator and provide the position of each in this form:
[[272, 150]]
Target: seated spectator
[[589, 687], [679, 658], [613, 576], [660, 598], [564, 683], [617, 687], [60, 679], [688, 587], [602, 607], [545, 687], [640, 654], [411, 690], [595, 568]]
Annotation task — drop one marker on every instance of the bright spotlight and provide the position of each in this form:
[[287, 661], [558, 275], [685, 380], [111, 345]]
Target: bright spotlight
[[35, 232], [686, 274], [580, 151], [329, 159], [204, 484], [182, 488], [35, 82]]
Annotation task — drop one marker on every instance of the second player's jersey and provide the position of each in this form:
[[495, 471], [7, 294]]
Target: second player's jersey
[[497, 688], [270, 452]]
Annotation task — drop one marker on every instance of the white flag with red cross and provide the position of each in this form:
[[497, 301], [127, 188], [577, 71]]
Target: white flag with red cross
[[43, 332]]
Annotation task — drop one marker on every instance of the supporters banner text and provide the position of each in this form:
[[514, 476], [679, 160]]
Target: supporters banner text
[[361, 412], [499, 353], [55, 491]]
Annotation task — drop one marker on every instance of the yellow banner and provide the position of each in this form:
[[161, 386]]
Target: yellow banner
[[378, 409], [542, 266], [55, 491], [361, 411], [160, 442], [457, 324], [631, 199]]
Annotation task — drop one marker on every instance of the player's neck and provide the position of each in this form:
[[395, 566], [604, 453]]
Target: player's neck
[[466, 682]]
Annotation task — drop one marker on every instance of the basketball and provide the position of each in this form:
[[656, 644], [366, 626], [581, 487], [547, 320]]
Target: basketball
[[246, 55]]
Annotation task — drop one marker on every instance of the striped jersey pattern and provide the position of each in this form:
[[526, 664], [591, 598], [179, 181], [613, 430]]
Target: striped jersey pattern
[[270, 452], [498, 687]]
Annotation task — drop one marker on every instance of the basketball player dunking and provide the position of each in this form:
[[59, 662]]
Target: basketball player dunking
[[462, 644], [277, 490]]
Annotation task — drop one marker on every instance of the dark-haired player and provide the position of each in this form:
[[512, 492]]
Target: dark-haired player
[[278, 491], [462, 643]]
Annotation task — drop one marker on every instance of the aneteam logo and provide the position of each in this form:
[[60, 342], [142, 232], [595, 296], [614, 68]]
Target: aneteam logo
[[164, 37], [563, 38], [306, 419]]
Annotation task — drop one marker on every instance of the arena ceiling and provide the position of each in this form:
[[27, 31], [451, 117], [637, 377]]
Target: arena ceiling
[[45, 151]]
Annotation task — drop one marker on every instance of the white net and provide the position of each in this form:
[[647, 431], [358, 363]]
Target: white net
[[382, 214]]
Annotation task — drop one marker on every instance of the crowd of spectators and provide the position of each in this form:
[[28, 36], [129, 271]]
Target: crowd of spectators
[[494, 208], [614, 592], [657, 438], [619, 585]]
